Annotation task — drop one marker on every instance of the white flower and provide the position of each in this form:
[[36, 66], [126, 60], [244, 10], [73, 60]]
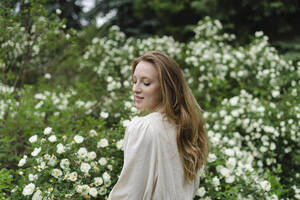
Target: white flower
[[106, 176], [82, 153], [224, 171], [233, 101], [126, 123], [92, 133], [93, 192], [47, 130], [47, 76], [275, 93], [215, 181], [64, 163], [231, 162], [229, 152], [102, 161], [73, 176], [120, 144], [102, 190], [33, 139], [85, 167], [265, 185], [52, 138], [78, 139], [229, 179], [201, 192], [211, 157], [32, 177], [104, 115], [85, 190], [263, 149], [56, 173], [28, 189], [98, 181], [102, 143], [91, 155], [79, 188], [37, 195], [36, 151], [60, 148], [58, 11], [22, 161], [52, 161]]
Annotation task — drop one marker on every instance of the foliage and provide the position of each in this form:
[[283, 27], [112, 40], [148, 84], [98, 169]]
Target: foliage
[[248, 94]]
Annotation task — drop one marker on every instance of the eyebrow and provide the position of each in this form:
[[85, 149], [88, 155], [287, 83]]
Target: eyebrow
[[143, 77]]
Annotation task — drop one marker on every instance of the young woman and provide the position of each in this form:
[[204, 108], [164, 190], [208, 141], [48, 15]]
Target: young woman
[[164, 150]]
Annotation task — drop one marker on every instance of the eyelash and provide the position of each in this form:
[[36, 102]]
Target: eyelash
[[146, 84]]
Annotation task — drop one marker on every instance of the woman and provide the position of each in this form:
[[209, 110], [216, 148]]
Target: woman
[[164, 150]]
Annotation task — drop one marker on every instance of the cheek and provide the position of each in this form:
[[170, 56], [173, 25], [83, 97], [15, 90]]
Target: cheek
[[156, 94]]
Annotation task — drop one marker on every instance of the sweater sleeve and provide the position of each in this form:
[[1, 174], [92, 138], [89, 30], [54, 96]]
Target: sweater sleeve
[[138, 175]]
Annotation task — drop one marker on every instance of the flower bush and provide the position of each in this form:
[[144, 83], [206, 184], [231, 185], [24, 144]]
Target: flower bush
[[61, 134], [73, 167]]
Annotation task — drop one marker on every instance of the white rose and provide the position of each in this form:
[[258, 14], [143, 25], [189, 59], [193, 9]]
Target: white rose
[[231, 162], [224, 171], [102, 190], [37, 195], [120, 144], [52, 161], [106, 176], [229, 179], [56, 173], [85, 190], [47, 76], [93, 192], [22, 161], [102, 161], [216, 181], [211, 157], [60, 148], [32, 177], [91, 155], [98, 181], [104, 115], [229, 152], [82, 152], [28, 189], [33, 139], [102, 143], [79, 188], [85, 167], [73, 176], [64, 163], [126, 123], [92, 133], [265, 185], [36, 151], [52, 138], [47, 130], [58, 11], [78, 139], [201, 192]]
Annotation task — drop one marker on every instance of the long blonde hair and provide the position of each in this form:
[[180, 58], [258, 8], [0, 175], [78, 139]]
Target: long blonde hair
[[181, 107]]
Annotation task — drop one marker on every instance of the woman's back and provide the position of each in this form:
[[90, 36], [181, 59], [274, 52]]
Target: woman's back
[[152, 166]]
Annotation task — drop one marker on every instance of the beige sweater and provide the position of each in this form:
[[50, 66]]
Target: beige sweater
[[152, 168]]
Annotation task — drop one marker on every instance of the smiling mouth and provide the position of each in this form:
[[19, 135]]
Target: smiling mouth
[[138, 98]]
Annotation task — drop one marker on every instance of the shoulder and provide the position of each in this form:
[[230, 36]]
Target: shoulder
[[149, 124]]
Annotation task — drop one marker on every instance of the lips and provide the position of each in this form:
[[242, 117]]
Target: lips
[[138, 98]]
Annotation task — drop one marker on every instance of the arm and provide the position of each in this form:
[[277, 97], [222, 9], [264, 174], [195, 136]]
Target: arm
[[137, 178]]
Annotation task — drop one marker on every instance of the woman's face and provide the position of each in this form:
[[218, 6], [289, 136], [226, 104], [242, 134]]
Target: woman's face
[[146, 87]]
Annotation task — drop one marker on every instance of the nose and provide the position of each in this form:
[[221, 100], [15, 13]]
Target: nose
[[136, 88]]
